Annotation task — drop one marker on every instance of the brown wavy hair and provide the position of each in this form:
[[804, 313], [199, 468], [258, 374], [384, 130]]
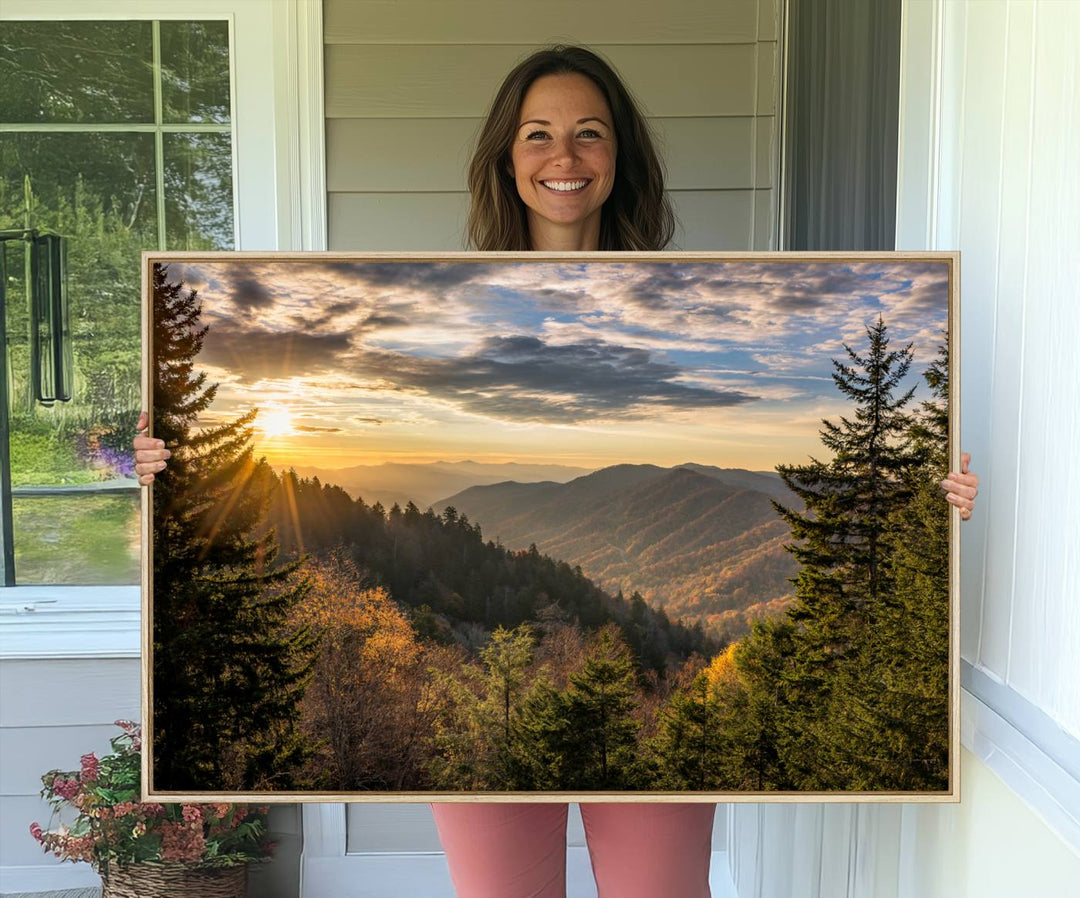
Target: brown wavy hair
[[636, 216]]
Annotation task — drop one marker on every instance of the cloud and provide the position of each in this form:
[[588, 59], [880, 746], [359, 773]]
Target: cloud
[[249, 294], [256, 354], [306, 428], [520, 378]]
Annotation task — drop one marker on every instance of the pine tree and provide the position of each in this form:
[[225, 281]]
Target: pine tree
[[689, 745], [506, 656], [844, 550], [599, 729], [228, 671], [912, 752]]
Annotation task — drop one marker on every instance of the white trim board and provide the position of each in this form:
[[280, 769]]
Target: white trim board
[[40, 622], [426, 874], [1046, 786]]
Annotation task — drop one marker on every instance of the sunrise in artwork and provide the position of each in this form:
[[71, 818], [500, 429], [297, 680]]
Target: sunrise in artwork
[[559, 363]]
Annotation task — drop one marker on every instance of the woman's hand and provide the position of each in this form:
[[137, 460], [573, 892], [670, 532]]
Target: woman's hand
[[150, 454], [962, 487]]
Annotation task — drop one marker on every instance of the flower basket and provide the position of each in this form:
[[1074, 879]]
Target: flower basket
[[174, 881], [148, 849]]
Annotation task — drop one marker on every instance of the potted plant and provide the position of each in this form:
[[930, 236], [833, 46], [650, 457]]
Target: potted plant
[[144, 849]]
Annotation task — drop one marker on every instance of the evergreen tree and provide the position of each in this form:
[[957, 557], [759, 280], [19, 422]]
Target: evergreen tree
[[912, 708], [843, 548], [689, 746], [506, 656], [228, 671], [539, 752], [599, 730]]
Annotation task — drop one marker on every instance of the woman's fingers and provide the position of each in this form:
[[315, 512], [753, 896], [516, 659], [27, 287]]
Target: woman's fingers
[[965, 485], [150, 453], [961, 488]]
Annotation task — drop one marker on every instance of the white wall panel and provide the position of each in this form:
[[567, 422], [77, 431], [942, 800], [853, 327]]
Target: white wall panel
[[1013, 223], [1045, 614], [981, 85]]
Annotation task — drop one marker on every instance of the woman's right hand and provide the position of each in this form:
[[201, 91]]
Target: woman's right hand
[[150, 454]]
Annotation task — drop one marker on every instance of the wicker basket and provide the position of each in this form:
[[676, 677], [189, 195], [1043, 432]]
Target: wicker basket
[[174, 881]]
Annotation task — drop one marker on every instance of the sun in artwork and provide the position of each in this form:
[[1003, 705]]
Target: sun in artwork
[[275, 421]]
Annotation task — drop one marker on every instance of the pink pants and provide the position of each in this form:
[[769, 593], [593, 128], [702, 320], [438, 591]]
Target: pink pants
[[638, 850]]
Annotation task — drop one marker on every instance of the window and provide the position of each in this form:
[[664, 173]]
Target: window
[[116, 135]]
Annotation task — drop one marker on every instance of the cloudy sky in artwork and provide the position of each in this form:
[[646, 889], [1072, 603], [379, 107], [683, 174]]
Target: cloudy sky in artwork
[[583, 363]]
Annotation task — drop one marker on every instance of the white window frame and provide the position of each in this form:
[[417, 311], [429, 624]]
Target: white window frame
[[279, 203]]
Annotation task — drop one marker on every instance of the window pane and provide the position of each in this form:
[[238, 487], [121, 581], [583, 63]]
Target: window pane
[[76, 178], [195, 71], [198, 191], [98, 191], [76, 72], [77, 540]]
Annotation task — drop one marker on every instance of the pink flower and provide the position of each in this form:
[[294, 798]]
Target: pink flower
[[191, 813], [123, 808], [66, 789], [36, 832], [181, 842], [153, 810], [89, 768]]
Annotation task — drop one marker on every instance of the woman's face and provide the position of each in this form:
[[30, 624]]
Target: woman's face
[[563, 161]]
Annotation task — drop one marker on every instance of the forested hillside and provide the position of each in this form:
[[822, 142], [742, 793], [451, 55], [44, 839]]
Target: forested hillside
[[441, 568], [703, 543]]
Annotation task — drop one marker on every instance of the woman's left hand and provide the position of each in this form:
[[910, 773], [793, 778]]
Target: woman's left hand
[[962, 487]]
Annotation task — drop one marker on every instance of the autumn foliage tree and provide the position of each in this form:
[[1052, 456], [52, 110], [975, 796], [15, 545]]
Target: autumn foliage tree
[[362, 702]]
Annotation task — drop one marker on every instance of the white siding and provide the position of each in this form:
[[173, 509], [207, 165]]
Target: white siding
[[52, 712], [1008, 198]]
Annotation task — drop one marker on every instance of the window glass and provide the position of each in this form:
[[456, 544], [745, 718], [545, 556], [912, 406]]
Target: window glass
[[195, 71], [59, 72], [198, 191], [116, 180]]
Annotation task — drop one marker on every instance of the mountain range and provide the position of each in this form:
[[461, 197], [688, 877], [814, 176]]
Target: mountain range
[[699, 541], [425, 484]]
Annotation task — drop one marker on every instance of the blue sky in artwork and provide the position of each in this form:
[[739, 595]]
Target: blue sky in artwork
[[530, 354]]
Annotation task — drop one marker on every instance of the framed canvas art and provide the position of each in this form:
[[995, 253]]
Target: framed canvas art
[[569, 527]]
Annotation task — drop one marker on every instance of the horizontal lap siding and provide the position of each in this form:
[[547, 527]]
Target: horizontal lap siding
[[529, 23], [51, 713]]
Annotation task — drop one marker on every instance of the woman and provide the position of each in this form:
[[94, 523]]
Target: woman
[[565, 163]]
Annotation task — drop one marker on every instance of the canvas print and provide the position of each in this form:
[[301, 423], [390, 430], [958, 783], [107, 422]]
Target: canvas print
[[618, 524]]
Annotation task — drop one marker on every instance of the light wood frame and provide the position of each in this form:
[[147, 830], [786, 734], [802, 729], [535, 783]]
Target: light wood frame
[[952, 794]]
